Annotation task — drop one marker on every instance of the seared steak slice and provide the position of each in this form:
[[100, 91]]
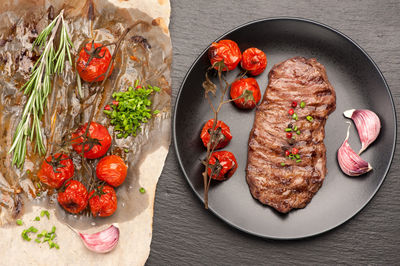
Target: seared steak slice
[[293, 184]]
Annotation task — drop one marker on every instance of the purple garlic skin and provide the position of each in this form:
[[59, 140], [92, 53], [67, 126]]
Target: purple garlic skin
[[368, 126], [103, 241], [349, 161]]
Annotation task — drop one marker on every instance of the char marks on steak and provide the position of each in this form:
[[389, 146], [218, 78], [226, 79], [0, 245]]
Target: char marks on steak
[[294, 184]]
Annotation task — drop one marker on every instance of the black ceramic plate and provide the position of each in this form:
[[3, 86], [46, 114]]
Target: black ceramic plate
[[358, 83]]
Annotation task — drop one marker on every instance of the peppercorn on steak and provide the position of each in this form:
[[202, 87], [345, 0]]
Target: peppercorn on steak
[[286, 162]]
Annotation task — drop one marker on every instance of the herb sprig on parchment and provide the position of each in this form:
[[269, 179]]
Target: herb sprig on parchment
[[38, 87]]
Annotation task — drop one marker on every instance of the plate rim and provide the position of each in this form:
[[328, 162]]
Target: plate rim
[[319, 24]]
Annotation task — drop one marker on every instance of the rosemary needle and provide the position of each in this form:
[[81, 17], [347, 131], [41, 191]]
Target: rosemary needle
[[38, 87]]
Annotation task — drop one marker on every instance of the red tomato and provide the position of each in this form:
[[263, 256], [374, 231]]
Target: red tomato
[[254, 60], [112, 169], [226, 50], [239, 87], [103, 201], [97, 144], [74, 198], [55, 170], [222, 165], [93, 62], [222, 130]]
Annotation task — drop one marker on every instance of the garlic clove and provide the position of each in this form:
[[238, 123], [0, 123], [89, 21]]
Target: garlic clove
[[350, 162], [368, 125], [100, 242]]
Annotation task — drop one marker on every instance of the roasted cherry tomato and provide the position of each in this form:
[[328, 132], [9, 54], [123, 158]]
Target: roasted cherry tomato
[[226, 50], [56, 170], [74, 198], [103, 201], [254, 61], [222, 165], [97, 143], [112, 169], [93, 62], [223, 134], [240, 87]]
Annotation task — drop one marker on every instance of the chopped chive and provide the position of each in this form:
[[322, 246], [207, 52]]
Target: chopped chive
[[157, 89], [298, 132], [126, 150], [38, 186], [156, 112], [56, 246], [19, 222], [37, 218], [45, 212], [302, 104], [32, 229], [309, 118], [295, 117], [297, 156], [136, 83], [298, 161], [288, 129], [28, 171], [37, 240], [142, 190], [295, 128], [52, 237], [53, 229], [283, 164], [38, 194]]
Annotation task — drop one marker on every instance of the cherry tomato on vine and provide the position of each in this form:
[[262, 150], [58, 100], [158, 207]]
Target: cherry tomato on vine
[[74, 198], [112, 169], [93, 61], [222, 165], [223, 134], [226, 50], [103, 201], [252, 94], [97, 143], [254, 61], [55, 170]]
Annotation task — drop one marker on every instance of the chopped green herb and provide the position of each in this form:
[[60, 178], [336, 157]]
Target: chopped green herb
[[37, 218], [53, 230], [45, 212], [156, 112], [142, 190], [56, 246], [288, 129], [298, 161], [19, 222], [283, 164], [32, 229], [25, 236], [28, 171], [136, 83], [309, 118], [295, 117], [295, 128], [298, 132], [302, 104], [38, 194], [37, 240], [297, 156], [38, 186], [126, 150]]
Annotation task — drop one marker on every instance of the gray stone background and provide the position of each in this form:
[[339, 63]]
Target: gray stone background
[[186, 234]]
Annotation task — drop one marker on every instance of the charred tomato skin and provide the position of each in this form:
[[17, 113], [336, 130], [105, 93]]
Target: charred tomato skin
[[97, 67], [254, 61], [48, 176], [74, 198], [97, 132], [105, 204], [226, 50], [239, 87], [224, 129], [227, 163], [112, 169]]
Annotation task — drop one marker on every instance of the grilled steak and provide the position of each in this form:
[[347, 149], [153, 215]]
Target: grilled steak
[[273, 178]]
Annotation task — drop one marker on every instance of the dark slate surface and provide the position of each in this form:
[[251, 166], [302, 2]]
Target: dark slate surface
[[184, 233]]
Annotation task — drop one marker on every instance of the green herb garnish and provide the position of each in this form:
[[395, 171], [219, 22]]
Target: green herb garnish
[[295, 117], [309, 118], [37, 218], [142, 190], [19, 222], [283, 164], [45, 212], [302, 104], [132, 110], [288, 129]]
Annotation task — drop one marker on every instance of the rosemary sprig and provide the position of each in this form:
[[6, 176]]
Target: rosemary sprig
[[38, 87]]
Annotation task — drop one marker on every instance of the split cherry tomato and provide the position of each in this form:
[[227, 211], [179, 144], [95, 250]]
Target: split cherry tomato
[[287, 153], [226, 50], [97, 143], [74, 198], [55, 170], [223, 134], [240, 87], [295, 151], [103, 201], [93, 61], [291, 111], [254, 60], [294, 104], [289, 135], [112, 169], [222, 165]]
